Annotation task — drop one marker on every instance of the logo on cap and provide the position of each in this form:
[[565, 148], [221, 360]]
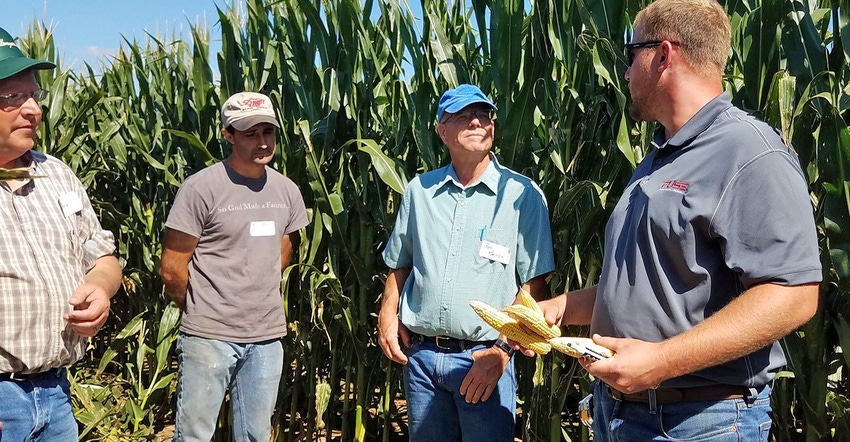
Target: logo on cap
[[246, 109], [253, 102]]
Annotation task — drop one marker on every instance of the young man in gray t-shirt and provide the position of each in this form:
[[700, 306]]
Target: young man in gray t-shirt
[[228, 237]]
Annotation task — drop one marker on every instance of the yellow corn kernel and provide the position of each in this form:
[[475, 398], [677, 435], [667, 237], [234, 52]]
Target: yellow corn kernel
[[496, 318], [528, 340], [527, 300], [510, 327], [533, 320]]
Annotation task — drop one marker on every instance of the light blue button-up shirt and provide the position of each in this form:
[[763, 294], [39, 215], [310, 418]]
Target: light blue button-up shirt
[[439, 233]]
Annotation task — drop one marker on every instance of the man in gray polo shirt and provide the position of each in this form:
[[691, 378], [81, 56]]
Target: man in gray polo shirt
[[711, 254]]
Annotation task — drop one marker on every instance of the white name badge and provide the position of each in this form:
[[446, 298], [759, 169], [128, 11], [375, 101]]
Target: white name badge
[[495, 252], [262, 228], [70, 204]]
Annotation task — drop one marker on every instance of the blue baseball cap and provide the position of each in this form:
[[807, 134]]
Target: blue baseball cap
[[458, 98]]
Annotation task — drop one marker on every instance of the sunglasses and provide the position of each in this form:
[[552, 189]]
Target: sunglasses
[[18, 99], [485, 116], [644, 44]]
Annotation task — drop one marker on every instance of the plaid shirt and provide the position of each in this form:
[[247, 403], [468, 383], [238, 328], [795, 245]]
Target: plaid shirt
[[44, 229]]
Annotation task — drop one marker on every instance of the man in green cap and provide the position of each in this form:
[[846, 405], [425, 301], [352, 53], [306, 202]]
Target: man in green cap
[[57, 270]]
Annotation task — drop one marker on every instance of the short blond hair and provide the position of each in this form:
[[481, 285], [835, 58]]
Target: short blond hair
[[701, 27]]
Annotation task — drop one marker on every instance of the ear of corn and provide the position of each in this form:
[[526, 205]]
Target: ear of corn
[[527, 300], [510, 327], [533, 342], [18, 173], [567, 346], [536, 335], [533, 320]]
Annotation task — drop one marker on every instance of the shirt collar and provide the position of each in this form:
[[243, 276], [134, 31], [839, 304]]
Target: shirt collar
[[696, 125], [490, 177]]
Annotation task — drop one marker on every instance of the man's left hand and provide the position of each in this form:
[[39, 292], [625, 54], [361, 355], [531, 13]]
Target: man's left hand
[[636, 365], [487, 367], [91, 308]]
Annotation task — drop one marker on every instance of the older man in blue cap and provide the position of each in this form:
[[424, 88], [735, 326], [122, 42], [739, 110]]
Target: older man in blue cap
[[470, 230], [57, 271]]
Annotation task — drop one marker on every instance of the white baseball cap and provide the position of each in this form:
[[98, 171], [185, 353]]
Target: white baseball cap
[[247, 109]]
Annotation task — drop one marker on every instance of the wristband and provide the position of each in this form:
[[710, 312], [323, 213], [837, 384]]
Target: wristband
[[504, 347]]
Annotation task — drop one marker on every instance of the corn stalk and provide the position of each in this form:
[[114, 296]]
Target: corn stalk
[[356, 85]]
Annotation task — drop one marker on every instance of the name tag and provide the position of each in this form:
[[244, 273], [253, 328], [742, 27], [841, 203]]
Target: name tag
[[262, 228], [495, 252], [70, 204]]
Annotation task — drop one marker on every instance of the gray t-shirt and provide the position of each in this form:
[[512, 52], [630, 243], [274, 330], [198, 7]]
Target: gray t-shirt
[[720, 207], [234, 275]]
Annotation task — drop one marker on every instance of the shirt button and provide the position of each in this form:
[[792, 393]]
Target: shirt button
[[445, 307], [454, 253], [457, 228], [448, 279]]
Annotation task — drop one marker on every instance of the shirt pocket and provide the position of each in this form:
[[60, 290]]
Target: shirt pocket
[[484, 265], [82, 249]]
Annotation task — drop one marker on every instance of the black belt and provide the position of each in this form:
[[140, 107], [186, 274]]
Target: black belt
[[450, 344], [693, 394], [21, 377]]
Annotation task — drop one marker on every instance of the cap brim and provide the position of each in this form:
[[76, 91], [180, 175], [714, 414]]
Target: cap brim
[[250, 121], [13, 66], [459, 105]]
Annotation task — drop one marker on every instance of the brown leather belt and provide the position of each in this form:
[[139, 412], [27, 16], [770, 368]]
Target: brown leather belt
[[693, 394]]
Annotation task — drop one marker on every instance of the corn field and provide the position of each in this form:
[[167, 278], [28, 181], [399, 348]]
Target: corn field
[[356, 84]]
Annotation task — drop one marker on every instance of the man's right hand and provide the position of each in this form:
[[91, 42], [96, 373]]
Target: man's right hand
[[553, 310], [390, 329]]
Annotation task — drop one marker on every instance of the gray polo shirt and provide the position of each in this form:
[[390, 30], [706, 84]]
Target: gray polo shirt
[[720, 207]]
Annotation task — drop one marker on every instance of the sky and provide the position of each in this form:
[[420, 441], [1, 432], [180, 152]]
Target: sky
[[91, 30]]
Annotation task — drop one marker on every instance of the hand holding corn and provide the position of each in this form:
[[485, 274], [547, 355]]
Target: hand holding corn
[[537, 335]]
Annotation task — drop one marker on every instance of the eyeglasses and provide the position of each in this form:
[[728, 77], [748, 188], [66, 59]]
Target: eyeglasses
[[18, 99], [485, 116], [644, 44]]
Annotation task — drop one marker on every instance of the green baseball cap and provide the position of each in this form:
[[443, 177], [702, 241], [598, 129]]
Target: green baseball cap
[[13, 61]]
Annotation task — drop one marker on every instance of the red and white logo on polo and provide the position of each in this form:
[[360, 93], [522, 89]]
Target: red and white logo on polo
[[676, 186]]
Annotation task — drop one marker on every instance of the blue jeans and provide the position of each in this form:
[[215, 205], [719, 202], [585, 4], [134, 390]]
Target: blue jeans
[[730, 420], [437, 412], [207, 367], [37, 409]]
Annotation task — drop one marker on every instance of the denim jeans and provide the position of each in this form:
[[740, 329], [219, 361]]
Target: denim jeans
[[37, 409], [730, 420], [207, 367], [437, 412]]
